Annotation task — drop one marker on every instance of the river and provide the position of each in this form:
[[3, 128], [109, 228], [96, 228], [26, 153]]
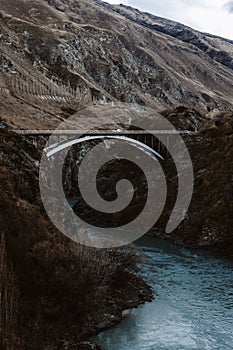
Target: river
[[193, 307]]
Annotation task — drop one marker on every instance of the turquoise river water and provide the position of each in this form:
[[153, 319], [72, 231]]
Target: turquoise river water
[[193, 307]]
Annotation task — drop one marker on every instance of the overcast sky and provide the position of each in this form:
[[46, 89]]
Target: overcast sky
[[211, 16]]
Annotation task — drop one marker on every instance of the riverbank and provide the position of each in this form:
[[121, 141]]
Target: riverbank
[[55, 292], [112, 313]]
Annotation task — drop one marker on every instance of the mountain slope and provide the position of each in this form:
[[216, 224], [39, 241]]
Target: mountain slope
[[56, 56], [217, 48]]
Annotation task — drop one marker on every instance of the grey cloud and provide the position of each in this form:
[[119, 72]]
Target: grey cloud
[[172, 9], [229, 6], [161, 8], [187, 12]]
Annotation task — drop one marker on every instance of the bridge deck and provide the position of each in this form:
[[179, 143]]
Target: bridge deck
[[103, 132]]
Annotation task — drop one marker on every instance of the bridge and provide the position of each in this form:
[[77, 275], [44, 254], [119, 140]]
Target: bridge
[[146, 140]]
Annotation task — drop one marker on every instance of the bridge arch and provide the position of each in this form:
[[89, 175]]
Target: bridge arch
[[60, 146]]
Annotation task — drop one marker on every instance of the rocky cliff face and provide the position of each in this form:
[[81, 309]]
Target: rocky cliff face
[[57, 55], [209, 220]]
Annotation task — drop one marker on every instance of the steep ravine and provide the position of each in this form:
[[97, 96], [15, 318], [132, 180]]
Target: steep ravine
[[208, 223], [41, 267]]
